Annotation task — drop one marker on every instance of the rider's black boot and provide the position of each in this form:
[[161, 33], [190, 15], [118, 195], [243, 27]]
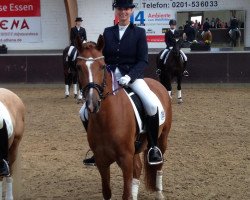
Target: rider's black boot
[[4, 150], [85, 124], [154, 153], [91, 160]]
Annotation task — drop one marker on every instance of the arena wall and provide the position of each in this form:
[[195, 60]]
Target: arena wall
[[97, 15], [204, 67]]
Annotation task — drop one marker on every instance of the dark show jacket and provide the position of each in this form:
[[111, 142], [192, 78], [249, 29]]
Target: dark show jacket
[[130, 54], [190, 33], [170, 37], [234, 24], [74, 32]]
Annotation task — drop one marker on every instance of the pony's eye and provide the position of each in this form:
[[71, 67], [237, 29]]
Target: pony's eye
[[104, 66]]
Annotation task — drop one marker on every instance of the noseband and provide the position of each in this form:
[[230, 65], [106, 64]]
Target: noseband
[[97, 87]]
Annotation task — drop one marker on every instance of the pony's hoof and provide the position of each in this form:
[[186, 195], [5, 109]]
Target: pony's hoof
[[180, 100], [159, 196]]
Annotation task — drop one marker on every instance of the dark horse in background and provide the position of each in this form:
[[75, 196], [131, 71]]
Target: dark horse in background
[[172, 67], [234, 35], [70, 71]]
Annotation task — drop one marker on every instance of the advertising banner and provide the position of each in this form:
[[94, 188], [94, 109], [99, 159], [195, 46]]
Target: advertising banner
[[20, 21], [155, 22]]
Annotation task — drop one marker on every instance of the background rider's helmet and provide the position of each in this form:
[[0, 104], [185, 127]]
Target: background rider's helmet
[[172, 22]]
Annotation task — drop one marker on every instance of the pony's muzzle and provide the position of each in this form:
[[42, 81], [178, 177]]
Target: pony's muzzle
[[93, 106]]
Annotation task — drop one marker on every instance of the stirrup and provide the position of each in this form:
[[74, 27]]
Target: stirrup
[[8, 168], [87, 158], [157, 162]]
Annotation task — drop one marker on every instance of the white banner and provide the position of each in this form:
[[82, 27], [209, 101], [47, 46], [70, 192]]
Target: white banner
[[20, 21]]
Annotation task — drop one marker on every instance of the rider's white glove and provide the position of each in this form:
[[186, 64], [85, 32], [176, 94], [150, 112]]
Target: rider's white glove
[[124, 80]]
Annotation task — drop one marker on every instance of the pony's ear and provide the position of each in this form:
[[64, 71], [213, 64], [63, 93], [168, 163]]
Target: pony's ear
[[100, 43], [79, 43]]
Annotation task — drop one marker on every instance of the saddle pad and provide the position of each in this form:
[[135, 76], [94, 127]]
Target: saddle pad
[[161, 111], [5, 115]]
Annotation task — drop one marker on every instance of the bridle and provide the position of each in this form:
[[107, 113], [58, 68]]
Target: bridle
[[97, 87]]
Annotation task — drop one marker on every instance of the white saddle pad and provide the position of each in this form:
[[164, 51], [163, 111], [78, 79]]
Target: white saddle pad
[[161, 112], [5, 115]]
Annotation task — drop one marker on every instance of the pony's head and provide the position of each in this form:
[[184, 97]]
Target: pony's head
[[177, 47], [91, 71]]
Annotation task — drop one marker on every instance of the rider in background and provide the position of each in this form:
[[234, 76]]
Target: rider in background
[[234, 25], [77, 30], [170, 40]]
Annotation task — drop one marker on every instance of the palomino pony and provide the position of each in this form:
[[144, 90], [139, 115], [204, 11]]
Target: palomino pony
[[170, 68], [234, 35], [12, 111], [112, 127]]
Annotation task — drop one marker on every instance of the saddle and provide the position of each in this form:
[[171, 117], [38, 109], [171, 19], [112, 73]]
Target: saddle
[[164, 56], [5, 115], [140, 115]]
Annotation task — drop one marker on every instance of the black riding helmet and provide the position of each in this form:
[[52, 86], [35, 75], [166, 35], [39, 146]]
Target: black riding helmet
[[172, 22]]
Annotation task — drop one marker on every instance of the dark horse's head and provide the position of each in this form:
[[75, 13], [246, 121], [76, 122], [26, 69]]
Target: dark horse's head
[[176, 48], [91, 69], [174, 59]]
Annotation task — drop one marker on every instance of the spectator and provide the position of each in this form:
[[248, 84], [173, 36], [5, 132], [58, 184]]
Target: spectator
[[226, 25], [189, 33], [213, 23]]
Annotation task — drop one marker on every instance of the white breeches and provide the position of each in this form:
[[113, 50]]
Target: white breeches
[[140, 87]]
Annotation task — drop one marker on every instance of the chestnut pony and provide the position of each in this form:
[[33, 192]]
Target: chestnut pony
[[16, 110], [112, 127]]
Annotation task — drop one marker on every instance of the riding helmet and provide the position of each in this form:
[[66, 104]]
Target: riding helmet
[[172, 22], [123, 4]]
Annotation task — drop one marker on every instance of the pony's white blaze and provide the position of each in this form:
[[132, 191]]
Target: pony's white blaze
[[91, 79]]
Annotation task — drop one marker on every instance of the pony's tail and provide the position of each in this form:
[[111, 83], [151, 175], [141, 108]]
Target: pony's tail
[[16, 175], [150, 172]]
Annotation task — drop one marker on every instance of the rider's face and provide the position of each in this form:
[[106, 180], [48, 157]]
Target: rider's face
[[173, 27], [124, 14]]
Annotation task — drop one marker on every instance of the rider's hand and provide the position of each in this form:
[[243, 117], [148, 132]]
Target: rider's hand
[[124, 80]]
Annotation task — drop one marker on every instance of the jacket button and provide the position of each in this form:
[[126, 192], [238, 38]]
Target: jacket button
[[118, 49]]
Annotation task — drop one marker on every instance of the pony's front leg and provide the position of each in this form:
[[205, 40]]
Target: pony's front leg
[[136, 176], [105, 175], [179, 96], [9, 189], [126, 164]]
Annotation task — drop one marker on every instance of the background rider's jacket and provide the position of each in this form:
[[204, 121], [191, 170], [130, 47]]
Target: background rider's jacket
[[130, 54], [170, 38], [74, 33], [234, 24]]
